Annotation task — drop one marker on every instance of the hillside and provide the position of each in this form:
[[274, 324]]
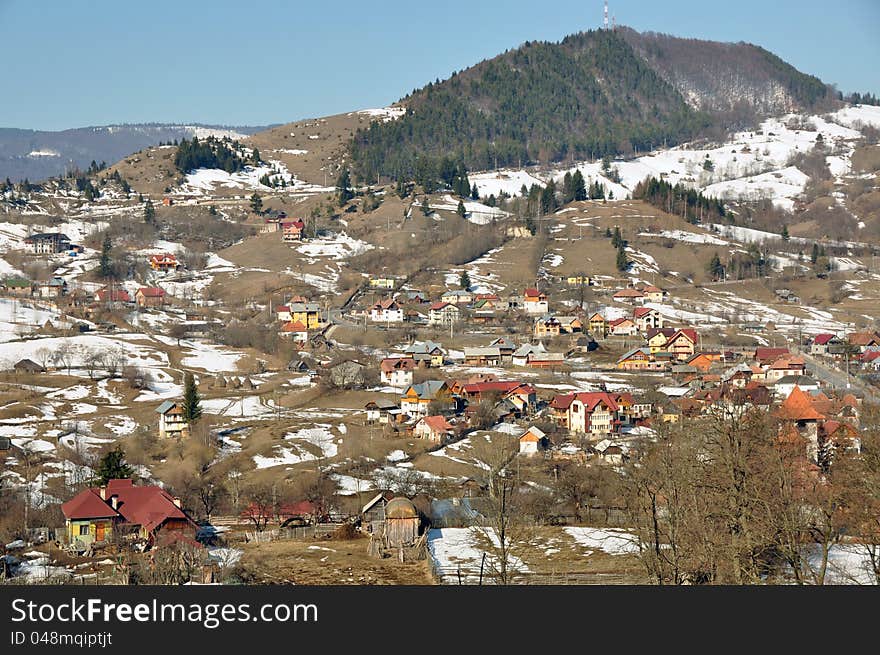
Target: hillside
[[37, 155], [592, 94]]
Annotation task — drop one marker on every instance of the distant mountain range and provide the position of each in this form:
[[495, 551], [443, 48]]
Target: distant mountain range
[[596, 93], [36, 155]]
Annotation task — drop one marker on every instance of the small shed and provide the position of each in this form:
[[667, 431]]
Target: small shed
[[402, 522], [28, 366]]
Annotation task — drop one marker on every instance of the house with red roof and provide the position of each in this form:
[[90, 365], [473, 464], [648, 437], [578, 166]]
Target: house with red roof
[[443, 313], [397, 371], [432, 428], [296, 331], [98, 514], [682, 344], [164, 262], [647, 318], [820, 343], [150, 297], [765, 356], [594, 413], [112, 295], [535, 302], [631, 296], [386, 311], [292, 230], [622, 327]]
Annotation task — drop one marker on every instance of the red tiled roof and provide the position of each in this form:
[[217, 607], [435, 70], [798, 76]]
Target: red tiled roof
[[397, 363], [294, 326], [437, 423], [437, 306], [115, 295], [628, 293], [822, 339], [799, 407], [764, 354], [152, 292]]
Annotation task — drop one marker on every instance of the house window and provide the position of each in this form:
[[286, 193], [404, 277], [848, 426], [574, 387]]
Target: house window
[[575, 408], [84, 530]]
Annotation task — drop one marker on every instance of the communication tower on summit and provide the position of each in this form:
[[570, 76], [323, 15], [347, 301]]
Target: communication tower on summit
[[606, 15]]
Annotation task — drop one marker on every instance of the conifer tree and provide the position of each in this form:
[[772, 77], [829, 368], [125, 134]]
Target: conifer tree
[[460, 210], [149, 212], [578, 186], [475, 192], [256, 203], [113, 467], [465, 280], [192, 409], [106, 264], [814, 256], [785, 236], [622, 262]]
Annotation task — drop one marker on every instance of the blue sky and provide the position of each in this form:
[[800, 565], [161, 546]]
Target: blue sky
[[71, 64]]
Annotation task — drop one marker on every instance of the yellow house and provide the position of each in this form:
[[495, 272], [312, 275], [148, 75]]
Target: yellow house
[[657, 339], [307, 313], [578, 280], [598, 325]]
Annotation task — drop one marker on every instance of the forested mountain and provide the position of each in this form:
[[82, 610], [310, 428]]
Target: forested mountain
[[592, 94], [728, 77]]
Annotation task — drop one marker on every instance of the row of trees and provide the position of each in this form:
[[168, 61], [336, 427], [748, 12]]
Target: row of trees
[[212, 153], [677, 199]]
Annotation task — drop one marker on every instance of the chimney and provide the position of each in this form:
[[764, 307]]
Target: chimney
[[114, 501], [177, 502], [103, 493]]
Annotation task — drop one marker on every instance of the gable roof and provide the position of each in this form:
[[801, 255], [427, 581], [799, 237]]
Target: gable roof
[[151, 292], [148, 506], [799, 407], [436, 423]]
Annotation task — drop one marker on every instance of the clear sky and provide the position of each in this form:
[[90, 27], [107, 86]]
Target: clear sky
[[72, 64]]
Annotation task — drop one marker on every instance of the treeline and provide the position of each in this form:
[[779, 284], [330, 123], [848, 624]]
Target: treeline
[[587, 96], [691, 205], [212, 153], [862, 99]]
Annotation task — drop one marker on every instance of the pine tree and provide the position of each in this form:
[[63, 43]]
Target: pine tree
[[192, 409], [343, 187], [256, 157], [785, 236], [622, 262], [426, 208], [256, 203], [106, 264], [578, 186], [465, 280], [149, 212], [460, 210], [475, 192], [113, 467], [814, 256], [616, 240]]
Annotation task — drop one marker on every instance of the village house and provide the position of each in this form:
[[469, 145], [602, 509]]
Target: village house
[[150, 297], [569, 324], [28, 366], [547, 326], [638, 359], [388, 283], [522, 397], [164, 262], [397, 371], [546, 360], [382, 411], [146, 513], [443, 313], [598, 325], [52, 288], [171, 420], [505, 347], [532, 442], [647, 318], [657, 338], [426, 354], [786, 384], [766, 356], [683, 344], [610, 452], [386, 311], [292, 230], [819, 344], [307, 313], [535, 302], [525, 352], [346, 374], [48, 243], [578, 280], [489, 356], [295, 331], [622, 327], [594, 413], [785, 366], [863, 340], [432, 428], [112, 296], [17, 286], [457, 297], [653, 294], [418, 397], [630, 296]]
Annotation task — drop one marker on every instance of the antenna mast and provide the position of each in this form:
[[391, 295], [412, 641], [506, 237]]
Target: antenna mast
[[606, 15]]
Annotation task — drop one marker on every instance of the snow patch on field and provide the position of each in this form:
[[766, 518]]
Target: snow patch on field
[[611, 540]]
